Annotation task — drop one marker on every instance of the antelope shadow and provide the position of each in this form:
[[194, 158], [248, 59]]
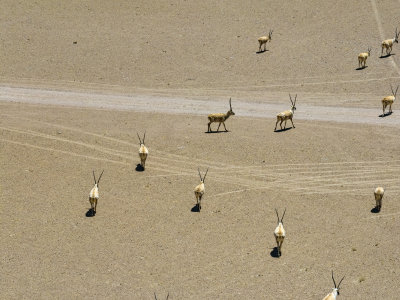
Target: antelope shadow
[[385, 114], [139, 168], [361, 68], [219, 131], [375, 210], [262, 51], [284, 129], [195, 208], [90, 213], [274, 252], [387, 55]]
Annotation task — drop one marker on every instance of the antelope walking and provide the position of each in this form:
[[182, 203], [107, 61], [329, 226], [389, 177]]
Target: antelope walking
[[220, 117], [388, 100], [143, 151], [94, 193], [287, 114], [263, 41], [388, 44], [279, 233], [200, 189], [332, 295], [362, 58], [379, 191]]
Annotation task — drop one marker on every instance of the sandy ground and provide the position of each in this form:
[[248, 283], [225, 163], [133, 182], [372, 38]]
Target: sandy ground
[[69, 108]]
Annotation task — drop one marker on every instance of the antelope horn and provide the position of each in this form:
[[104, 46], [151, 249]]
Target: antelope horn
[[295, 99], [144, 136], [396, 91], [230, 103], [100, 177], [204, 178], [334, 282], [201, 179], [277, 214], [340, 282], [139, 137], [94, 176], [283, 215], [290, 99], [167, 297], [155, 296], [392, 89]]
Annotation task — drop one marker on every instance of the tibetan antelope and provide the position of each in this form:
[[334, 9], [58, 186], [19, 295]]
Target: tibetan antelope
[[155, 296], [388, 100], [143, 151], [279, 233], [199, 190], [287, 114], [362, 58], [94, 193], [332, 295], [220, 117], [379, 191], [263, 41], [388, 44]]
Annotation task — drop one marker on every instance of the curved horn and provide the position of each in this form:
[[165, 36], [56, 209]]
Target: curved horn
[[340, 282], [140, 141], [144, 136], [230, 103], [100, 177], [204, 178], [277, 214], [295, 99], [334, 282], [94, 176], [396, 91], [283, 215], [290, 96]]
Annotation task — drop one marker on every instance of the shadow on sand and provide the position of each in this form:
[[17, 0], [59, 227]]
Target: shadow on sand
[[274, 252], [216, 131], [90, 213], [375, 210], [385, 115], [387, 55], [284, 129], [361, 68], [262, 51], [195, 208], [139, 168]]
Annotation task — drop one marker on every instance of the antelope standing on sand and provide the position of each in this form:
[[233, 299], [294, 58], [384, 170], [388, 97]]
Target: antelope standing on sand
[[94, 193], [379, 191], [279, 233], [362, 58], [220, 117], [263, 41], [388, 100], [200, 189], [143, 151], [287, 114], [332, 295], [388, 44]]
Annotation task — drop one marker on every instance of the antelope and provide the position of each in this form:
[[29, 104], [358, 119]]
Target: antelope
[[143, 151], [279, 233], [94, 193], [155, 296], [199, 190], [263, 40], [388, 44], [220, 117], [388, 100], [332, 295], [379, 191], [287, 114], [362, 58]]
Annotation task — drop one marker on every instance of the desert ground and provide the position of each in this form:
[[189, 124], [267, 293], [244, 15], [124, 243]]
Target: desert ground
[[79, 80]]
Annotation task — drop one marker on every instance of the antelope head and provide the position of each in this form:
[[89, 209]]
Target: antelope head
[[336, 288], [230, 112], [280, 221], [96, 182], [393, 92], [202, 179], [270, 35], [140, 141], [293, 103]]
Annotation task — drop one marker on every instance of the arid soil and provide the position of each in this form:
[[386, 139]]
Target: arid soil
[[78, 80]]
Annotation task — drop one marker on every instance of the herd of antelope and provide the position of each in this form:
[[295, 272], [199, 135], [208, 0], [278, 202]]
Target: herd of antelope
[[284, 116]]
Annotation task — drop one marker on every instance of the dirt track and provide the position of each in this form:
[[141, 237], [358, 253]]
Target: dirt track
[[67, 108]]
